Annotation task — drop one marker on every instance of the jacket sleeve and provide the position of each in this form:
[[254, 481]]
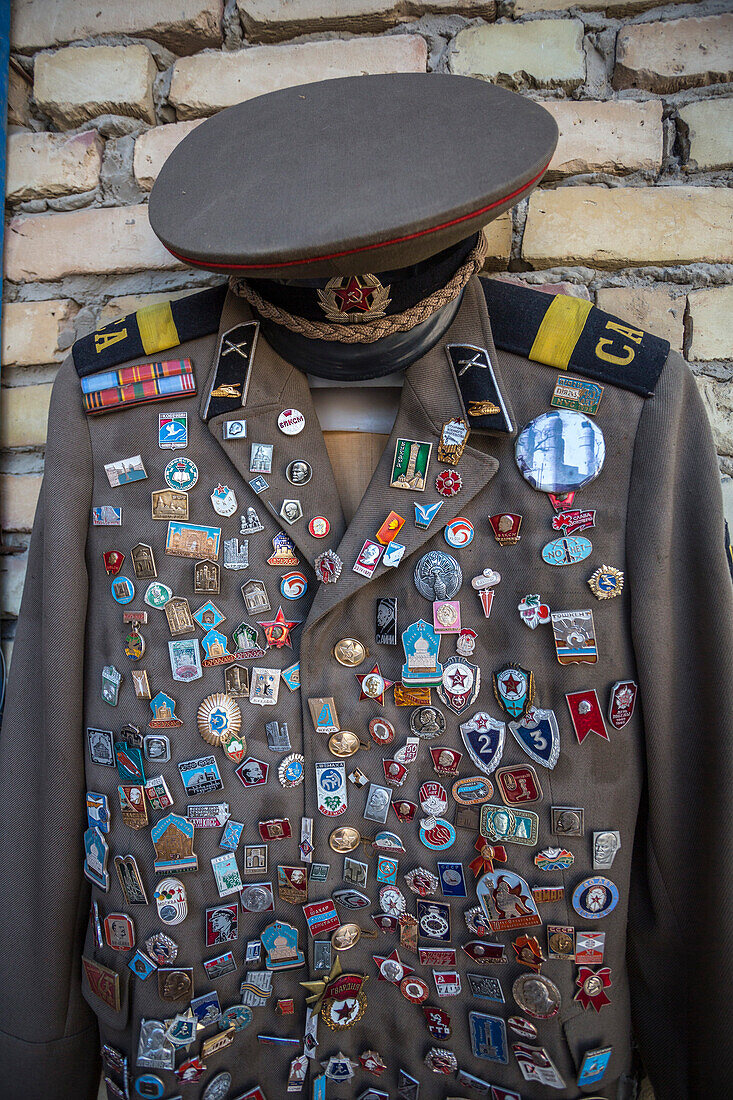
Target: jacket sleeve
[[49, 1047], [680, 915]]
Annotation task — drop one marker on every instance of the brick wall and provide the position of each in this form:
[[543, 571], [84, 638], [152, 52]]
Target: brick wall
[[636, 212]]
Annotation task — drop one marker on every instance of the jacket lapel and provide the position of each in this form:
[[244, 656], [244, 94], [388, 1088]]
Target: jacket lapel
[[275, 385], [430, 397]]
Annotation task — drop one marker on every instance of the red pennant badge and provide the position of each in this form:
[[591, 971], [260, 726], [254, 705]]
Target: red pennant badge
[[585, 714]]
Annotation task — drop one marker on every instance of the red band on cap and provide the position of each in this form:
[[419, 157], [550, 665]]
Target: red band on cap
[[366, 247]]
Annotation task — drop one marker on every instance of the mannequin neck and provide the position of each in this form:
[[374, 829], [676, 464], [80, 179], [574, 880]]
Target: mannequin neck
[[359, 362]]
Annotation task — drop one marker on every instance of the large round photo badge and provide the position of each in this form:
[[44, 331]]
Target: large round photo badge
[[560, 451], [595, 898], [291, 422]]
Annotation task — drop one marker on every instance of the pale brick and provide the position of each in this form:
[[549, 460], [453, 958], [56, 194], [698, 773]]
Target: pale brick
[[654, 308], [81, 82], [18, 499], [46, 165], [12, 578], [606, 137], [613, 7], [682, 53], [98, 240], [573, 290], [499, 237], [711, 317], [31, 331], [273, 20], [153, 148], [204, 84], [542, 53], [718, 400], [622, 226], [129, 303], [709, 126], [183, 25], [19, 96], [23, 415]]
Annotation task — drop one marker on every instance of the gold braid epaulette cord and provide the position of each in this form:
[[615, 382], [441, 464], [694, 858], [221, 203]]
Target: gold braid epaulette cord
[[368, 331]]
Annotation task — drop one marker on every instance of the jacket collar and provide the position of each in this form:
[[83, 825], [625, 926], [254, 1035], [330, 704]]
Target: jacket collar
[[430, 397]]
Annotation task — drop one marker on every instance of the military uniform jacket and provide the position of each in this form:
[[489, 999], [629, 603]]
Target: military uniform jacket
[[651, 927]]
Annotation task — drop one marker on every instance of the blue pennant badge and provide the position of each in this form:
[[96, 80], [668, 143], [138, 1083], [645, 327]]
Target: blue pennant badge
[[483, 737], [426, 513], [539, 735]]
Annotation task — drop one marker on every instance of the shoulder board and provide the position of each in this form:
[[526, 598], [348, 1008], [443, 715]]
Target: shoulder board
[[151, 330], [571, 334]]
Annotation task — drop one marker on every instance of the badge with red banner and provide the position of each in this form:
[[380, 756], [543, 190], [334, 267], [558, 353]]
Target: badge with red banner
[[593, 985], [575, 520], [622, 703], [437, 1021], [585, 714]]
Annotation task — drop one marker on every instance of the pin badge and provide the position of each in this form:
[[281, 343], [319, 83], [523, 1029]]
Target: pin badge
[[459, 533], [368, 558], [514, 689], [539, 735], [328, 566], [570, 522], [448, 483], [622, 702], [483, 737], [606, 582], [460, 684], [234, 429], [101, 746], [537, 996], [410, 465], [113, 560], [577, 394], [533, 612], [298, 472], [505, 526], [595, 898], [484, 584], [426, 513], [181, 474], [291, 422], [518, 785], [453, 438], [319, 527], [585, 714], [593, 985], [390, 528], [575, 638]]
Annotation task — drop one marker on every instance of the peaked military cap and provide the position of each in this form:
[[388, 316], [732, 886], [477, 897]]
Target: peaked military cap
[[349, 176]]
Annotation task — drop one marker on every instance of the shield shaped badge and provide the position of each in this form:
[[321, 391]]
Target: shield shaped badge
[[539, 735], [483, 737], [514, 689]]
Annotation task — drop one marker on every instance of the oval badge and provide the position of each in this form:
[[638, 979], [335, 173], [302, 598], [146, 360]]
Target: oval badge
[[567, 550], [472, 791]]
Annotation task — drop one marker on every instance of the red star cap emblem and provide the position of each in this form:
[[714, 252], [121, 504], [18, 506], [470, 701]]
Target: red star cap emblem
[[354, 296], [511, 685]]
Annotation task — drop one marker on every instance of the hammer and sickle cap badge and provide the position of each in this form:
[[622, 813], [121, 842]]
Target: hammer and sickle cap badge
[[342, 229]]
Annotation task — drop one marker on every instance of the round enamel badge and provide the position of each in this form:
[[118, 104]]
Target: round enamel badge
[[595, 898], [181, 473], [459, 533], [291, 422]]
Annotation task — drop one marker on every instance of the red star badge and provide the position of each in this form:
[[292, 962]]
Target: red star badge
[[373, 685], [511, 685], [277, 630], [593, 985]]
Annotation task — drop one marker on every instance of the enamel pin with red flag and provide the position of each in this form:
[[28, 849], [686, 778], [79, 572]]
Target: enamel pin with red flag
[[585, 714]]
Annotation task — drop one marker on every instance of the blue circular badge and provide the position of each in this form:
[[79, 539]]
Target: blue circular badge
[[123, 590], [181, 473], [149, 1085], [293, 585], [595, 898], [437, 834]]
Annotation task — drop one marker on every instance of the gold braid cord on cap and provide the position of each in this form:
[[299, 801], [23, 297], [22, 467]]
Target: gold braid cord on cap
[[368, 331]]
